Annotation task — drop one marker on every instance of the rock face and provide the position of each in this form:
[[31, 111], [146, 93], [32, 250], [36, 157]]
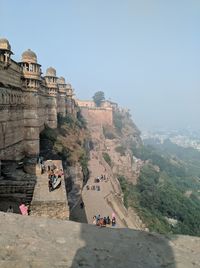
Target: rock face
[[27, 241]]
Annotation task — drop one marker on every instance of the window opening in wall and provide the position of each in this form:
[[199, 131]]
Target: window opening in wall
[[30, 67]]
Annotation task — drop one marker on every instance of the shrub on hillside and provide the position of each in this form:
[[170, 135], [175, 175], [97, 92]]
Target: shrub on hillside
[[118, 121], [81, 120], [108, 133], [107, 158], [49, 134], [121, 150]]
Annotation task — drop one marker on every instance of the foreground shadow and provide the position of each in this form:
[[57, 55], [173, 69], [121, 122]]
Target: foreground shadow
[[78, 214], [121, 248]]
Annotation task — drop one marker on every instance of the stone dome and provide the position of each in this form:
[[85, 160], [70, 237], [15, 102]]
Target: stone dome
[[29, 56], [51, 72], [61, 80], [68, 85], [4, 44]]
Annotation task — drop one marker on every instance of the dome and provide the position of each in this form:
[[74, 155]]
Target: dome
[[51, 72], [4, 44], [61, 80], [29, 56], [68, 85]]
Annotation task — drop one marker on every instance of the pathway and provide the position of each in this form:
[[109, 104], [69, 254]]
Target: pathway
[[96, 201]]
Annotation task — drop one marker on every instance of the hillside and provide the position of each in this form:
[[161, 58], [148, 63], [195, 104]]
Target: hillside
[[147, 188], [160, 184], [167, 192], [110, 156]]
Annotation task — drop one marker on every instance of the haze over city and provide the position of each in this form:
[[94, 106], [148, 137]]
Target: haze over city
[[143, 54]]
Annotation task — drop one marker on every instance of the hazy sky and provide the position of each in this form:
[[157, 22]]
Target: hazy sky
[[143, 54]]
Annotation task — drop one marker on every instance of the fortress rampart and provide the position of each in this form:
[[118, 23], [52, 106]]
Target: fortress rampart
[[102, 115], [28, 102]]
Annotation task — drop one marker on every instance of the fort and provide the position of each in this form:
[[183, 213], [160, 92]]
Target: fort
[[28, 102]]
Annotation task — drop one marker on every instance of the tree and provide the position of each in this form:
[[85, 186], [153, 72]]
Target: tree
[[98, 98]]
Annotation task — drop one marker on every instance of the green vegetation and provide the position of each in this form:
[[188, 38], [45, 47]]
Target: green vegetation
[[98, 98], [72, 121], [67, 142], [189, 156], [125, 186], [108, 132], [118, 121], [161, 193], [49, 134], [121, 150], [84, 158], [107, 158]]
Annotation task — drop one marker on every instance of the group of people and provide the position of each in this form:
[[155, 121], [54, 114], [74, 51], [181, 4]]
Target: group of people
[[101, 178], [103, 221], [54, 174], [93, 187], [54, 179]]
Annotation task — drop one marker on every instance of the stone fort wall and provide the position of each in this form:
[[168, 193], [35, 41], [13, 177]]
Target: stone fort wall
[[100, 116], [28, 102]]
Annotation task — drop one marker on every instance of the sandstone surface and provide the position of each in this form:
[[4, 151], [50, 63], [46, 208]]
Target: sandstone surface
[[27, 241]]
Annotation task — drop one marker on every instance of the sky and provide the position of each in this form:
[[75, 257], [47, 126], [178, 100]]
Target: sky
[[143, 54]]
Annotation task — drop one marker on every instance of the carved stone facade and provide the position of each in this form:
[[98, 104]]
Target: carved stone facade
[[28, 102]]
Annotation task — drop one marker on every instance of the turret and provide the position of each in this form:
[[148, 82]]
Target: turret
[[51, 81], [69, 90], [5, 51], [31, 70], [52, 89], [61, 96]]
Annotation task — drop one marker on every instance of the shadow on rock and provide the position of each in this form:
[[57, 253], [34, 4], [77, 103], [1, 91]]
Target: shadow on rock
[[121, 248]]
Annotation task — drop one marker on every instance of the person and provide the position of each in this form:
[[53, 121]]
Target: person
[[113, 221], [105, 221], [98, 218], [50, 185], [42, 168], [10, 209], [82, 204], [108, 220], [94, 220], [23, 209]]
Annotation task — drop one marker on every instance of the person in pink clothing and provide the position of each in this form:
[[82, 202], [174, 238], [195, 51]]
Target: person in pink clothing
[[23, 209]]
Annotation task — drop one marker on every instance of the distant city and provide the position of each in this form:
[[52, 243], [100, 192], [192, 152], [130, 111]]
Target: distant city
[[185, 138]]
